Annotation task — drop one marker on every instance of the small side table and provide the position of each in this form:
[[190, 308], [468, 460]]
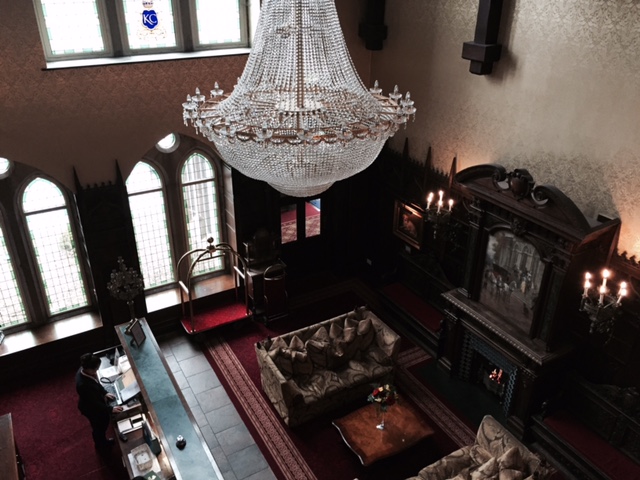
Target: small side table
[[404, 427]]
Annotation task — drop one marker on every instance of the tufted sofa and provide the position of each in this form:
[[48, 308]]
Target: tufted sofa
[[314, 369], [495, 455]]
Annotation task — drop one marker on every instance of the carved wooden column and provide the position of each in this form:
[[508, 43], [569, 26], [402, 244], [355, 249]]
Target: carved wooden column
[[108, 232]]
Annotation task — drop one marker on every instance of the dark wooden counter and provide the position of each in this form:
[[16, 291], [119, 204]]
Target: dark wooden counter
[[9, 459]]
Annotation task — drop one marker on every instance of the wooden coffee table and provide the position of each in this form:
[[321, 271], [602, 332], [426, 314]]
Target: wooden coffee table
[[404, 427]]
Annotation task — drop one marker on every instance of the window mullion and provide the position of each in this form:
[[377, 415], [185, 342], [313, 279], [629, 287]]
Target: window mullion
[[114, 28], [187, 24]]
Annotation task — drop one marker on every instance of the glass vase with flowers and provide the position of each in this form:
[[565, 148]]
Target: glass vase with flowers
[[383, 397]]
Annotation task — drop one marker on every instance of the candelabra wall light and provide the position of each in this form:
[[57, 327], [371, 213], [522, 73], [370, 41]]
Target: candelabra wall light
[[436, 212], [600, 304]]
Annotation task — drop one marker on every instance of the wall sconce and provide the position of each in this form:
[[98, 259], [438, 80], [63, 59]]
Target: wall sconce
[[437, 214], [600, 304]]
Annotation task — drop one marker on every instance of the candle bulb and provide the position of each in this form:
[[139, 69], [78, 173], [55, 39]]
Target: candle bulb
[[450, 204], [587, 284], [605, 275], [441, 193], [429, 199], [439, 206], [603, 290], [622, 292]]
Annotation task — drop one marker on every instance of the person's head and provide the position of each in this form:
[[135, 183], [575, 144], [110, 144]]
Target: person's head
[[90, 362]]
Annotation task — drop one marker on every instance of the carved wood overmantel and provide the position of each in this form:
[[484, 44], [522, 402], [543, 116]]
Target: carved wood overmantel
[[527, 248]]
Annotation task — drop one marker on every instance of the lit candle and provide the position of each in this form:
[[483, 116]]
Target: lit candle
[[603, 290], [622, 292], [587, 284], [441, 193], [605, 275], [450, 204], [429, 199], [439, 206]]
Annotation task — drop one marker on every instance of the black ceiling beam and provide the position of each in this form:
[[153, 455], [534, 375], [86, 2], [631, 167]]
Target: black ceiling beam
[[484, 50], [372, 29]]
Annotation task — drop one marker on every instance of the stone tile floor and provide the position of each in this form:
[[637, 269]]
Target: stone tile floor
[[231, 444]]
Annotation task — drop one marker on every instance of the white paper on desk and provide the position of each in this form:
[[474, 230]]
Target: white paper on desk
[[111, 373], [134, 467], [123, 364], [130, 424]]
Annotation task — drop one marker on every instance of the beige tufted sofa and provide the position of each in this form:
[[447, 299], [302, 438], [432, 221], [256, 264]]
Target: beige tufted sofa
[[312, 370], [496, 455]]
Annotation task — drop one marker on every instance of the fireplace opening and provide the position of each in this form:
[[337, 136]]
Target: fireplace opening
[[491, 372], [493, 378]]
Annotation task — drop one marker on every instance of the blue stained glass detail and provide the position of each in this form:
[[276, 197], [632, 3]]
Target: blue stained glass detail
[[149, 19]]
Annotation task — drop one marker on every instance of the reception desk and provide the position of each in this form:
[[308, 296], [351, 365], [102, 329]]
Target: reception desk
[[167, 412], [11, 466]]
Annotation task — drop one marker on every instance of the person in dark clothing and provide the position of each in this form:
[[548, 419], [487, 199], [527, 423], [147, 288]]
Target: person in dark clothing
[[93, 400]]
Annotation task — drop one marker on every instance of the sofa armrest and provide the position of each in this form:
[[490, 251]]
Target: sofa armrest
[[496, 439], [386, 339], [274, 384]]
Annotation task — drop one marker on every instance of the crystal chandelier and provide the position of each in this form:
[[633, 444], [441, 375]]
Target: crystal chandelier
[[299, 118]]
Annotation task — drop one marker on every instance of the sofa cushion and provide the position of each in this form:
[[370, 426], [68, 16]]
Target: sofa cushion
[[300, 362], [366, 332], [318, 346], [281, 356], [335, 331], [486, 471], [277, 344], [510, 474], [512, 459], [479, 455], [284, 363], [351, 322], [296, 344]]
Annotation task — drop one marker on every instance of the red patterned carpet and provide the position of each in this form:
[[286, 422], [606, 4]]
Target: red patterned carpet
[[53, 438], [315, 450]]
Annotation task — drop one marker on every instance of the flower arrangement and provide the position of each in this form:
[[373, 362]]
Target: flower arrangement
[[126, 283], [384, 396]]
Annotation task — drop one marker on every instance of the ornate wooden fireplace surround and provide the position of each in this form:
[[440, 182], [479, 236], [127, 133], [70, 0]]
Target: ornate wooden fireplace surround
[[518, 306]]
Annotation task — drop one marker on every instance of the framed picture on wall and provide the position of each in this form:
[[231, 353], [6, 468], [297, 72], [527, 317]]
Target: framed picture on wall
[[408, 224]]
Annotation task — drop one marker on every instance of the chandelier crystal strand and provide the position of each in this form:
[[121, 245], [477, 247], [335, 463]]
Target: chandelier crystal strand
[[299, 117]]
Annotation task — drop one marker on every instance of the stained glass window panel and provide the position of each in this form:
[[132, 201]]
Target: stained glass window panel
[[147, 204], [54, 246], [12, 311], [218, 21], [5, 165], [150, 24], [201, 208], [41, 194], [72, 26]]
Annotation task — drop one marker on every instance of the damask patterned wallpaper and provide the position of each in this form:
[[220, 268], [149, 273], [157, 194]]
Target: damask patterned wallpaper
[[86, 118], [563, 101]]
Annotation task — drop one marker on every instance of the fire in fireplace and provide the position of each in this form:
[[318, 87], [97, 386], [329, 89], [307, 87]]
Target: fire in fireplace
[[484, 366], [495, 381]]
